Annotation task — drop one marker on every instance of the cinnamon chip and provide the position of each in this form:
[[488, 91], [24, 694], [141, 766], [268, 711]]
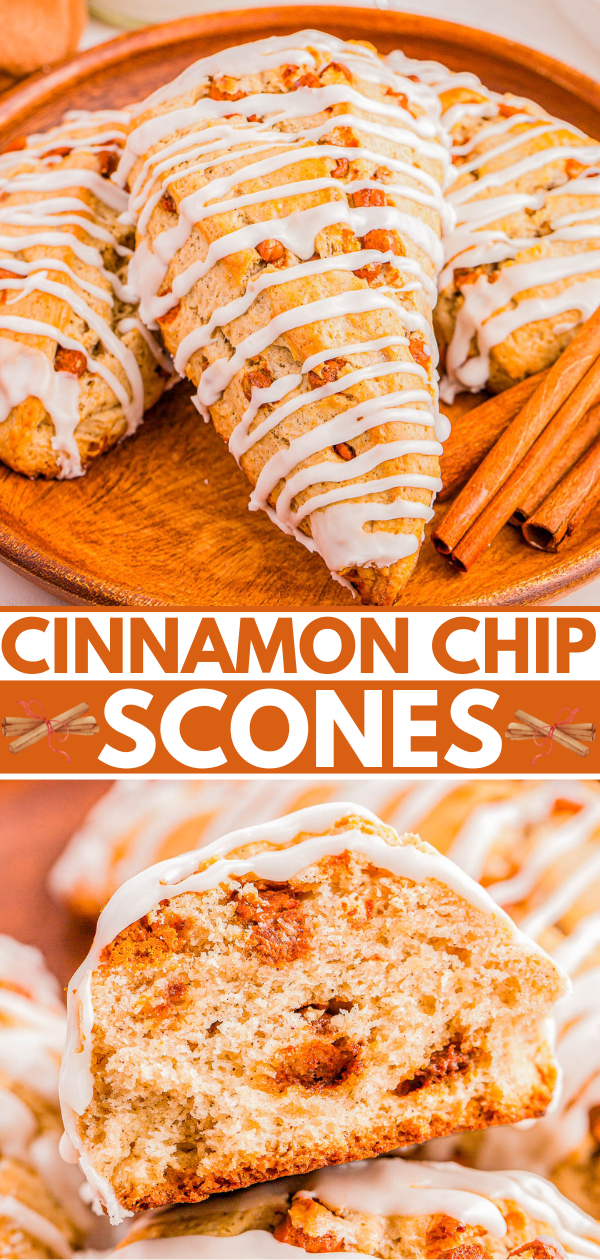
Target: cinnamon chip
[[419, 351], [270, 250], [368, 273], [294, 77], [326, 372], [341, 168], [108, 161], [276, 922], [167, 203], [225, 89], [450, 1061], [369, 197], [73, 361], [256, 378], [338, 68], [383, 240], [318, 1065]]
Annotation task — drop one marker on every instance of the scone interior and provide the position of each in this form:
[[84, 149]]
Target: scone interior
[[289, 209], [302, 993], [77, 366], [522, 265], [383, 1208]]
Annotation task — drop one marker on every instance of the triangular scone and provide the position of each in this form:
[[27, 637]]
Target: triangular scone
[[301, 993], [384, 1208], [288, 202], [77, 366], [522, 262]]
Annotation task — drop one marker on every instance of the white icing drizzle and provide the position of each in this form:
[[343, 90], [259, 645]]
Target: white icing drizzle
[[43, 221], [480, 236], [150, 814], [253, 1244], [179, 875], [392, 1188], [34, 1224], [337, 520]]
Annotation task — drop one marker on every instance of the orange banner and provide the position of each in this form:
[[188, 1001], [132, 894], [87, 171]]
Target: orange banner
[[235, 727]]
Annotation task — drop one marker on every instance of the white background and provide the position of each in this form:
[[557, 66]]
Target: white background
[[566, 29]]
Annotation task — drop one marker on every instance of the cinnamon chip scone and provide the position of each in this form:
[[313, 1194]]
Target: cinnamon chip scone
[[384, 1208], [300, 993], [137, 823], [77, 366], [41, 1212], [289, 210], [522, 267]]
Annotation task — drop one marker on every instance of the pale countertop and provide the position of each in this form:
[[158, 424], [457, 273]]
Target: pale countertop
[[566, 29]]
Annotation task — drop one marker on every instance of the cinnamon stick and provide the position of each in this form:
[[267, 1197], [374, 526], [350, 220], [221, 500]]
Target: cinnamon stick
[[476, 432], [567, 507], [520, 730], [543, 728], [548, 444], [38, 732], [74, 728], [579, 442], [12, 726], [517, 440]]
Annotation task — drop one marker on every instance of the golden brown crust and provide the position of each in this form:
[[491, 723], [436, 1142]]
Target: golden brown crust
[[229, 278], [28, 433]]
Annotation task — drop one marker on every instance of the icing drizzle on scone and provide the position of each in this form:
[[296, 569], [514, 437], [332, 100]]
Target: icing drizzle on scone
[[43, 209], [274, 130], [505, 200]]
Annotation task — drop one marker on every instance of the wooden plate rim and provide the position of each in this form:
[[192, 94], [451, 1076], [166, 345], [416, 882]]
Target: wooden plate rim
[[53, 574], [38, 87]]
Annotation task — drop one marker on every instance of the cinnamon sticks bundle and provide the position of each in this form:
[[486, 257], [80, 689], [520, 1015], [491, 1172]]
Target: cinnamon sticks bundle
[[24, 731], [542, 471], [561, 734]]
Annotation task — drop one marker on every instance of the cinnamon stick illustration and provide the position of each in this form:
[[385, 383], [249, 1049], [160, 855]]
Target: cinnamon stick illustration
[[545, 728], [585, 732], [43, 728]]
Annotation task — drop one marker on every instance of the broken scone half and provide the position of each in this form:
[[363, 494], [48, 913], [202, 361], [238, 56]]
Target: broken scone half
[[301, 993], [378, 1208]]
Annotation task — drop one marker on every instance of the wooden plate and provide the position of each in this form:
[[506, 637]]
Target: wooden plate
[[163, 520]]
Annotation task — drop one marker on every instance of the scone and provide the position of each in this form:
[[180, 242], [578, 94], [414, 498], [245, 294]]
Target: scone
[[77, 366], [41, 1212], [522, 264], [289, 210], [299, 993], [139, 822], [538, 854], [384, 1208]]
